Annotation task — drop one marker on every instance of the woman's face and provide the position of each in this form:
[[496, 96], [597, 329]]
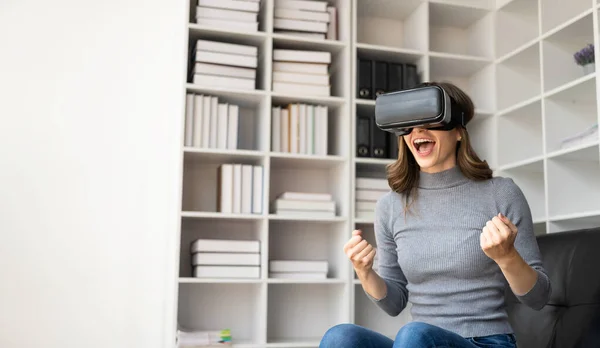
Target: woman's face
[[434, 150]]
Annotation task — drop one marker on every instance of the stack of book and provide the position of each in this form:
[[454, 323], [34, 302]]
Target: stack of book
[[203, 338], [307, 18], [305, 204], [295, 269], [300, 128], [210, 123], [375, 77], [240, 15], [301, 72], [221, 258], [224, 64], [368, 191], [240, 188]]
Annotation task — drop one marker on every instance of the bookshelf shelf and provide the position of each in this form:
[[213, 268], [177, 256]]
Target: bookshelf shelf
[[514, 58]]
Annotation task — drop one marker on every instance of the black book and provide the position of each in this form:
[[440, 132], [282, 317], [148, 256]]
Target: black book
[[411, 76], [395, 80], [380, 78], [363, 136], [379, 140], [365, 81]]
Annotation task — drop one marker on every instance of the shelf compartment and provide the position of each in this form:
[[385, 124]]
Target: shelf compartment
[[238, 307], [369, 315], [200, 179], [310, 241], [258, 40], [460, 30], [482, 135], [518, 77], [304, 312], [520, 134], [574, 182], [309, 176], [570, 112], [337, 128], [251, 125], [555, 13], [530, 179], [574, 222], [406, 19], [227, 229], [558, 49], [517, 23], [539, 228], [474, 76], [339, 65]]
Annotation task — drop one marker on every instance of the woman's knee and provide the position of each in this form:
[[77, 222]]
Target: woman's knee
[[341, 335], [415, 333]]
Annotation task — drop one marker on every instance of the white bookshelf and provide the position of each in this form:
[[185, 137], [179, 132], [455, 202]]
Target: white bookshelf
[[528, 95]]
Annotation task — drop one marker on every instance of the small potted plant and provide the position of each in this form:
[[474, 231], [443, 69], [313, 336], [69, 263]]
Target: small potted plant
[[585, 58]]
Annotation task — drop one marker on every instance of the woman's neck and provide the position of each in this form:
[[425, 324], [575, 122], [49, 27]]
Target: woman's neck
[[442, 179]]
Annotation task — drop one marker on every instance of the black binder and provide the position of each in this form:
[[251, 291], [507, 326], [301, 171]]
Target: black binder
[[380, 78], [411, 76], [363, 136], [379, 140], [393, 146], [395, 78], [365, 82]]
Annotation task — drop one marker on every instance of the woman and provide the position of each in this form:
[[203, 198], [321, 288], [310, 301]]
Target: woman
[[453, 237]]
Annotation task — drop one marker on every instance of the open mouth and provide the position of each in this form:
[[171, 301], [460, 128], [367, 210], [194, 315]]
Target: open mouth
[[423, 146]]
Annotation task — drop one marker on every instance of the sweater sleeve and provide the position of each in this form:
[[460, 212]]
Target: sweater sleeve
[[388, 268], [513, 204]]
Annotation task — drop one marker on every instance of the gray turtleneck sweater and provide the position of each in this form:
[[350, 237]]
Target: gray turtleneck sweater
[[432, 257]]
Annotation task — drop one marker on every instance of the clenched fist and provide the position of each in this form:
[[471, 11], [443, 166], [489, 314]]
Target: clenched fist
[[360, 252], [497, 238]]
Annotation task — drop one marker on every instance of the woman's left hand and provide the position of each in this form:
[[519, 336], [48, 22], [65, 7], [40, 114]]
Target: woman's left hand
[[497, 238]]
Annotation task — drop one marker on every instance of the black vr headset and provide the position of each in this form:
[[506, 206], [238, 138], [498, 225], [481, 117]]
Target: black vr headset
[[428, 107]]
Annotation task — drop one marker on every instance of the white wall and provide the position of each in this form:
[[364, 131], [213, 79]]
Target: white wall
[[91, 98]]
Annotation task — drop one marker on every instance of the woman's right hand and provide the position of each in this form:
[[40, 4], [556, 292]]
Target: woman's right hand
[[360, 253]]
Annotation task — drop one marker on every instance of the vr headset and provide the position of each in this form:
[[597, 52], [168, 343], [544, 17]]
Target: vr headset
[[427, 107]]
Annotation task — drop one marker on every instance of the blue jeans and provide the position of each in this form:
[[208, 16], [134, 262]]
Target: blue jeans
[[412, 335]]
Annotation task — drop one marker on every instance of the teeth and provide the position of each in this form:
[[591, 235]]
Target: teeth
[[420, 141]]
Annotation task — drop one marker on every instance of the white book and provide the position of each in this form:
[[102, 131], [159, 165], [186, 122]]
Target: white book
[[298, 266], [302, 68], [275, 128], [224, 245], [309, 196], [233, 127], [237, 188], [322, 124], [306, 34], [301, 89], [226, 271], [226, 47], [368, 206], [309, 5], [372, 183], [206, 121], [224, 70], [310, 214], [310, 129], [250, 6], [214, 123], [228, 24], [247, 186], [221, 13], [332, 26], [198, 120], [288, 13], [224, 81], [225, 188], [313, 79], [301, 56], [257, 189], [298, 204], [189, 120], [299, 25], [302, 146], [369, 195], [298, 275], [222, 127], [285, 130], [226, 259], [294, 127], [226, 59]]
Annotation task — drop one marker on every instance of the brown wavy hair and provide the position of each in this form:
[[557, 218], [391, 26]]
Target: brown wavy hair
[[403, 174]]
